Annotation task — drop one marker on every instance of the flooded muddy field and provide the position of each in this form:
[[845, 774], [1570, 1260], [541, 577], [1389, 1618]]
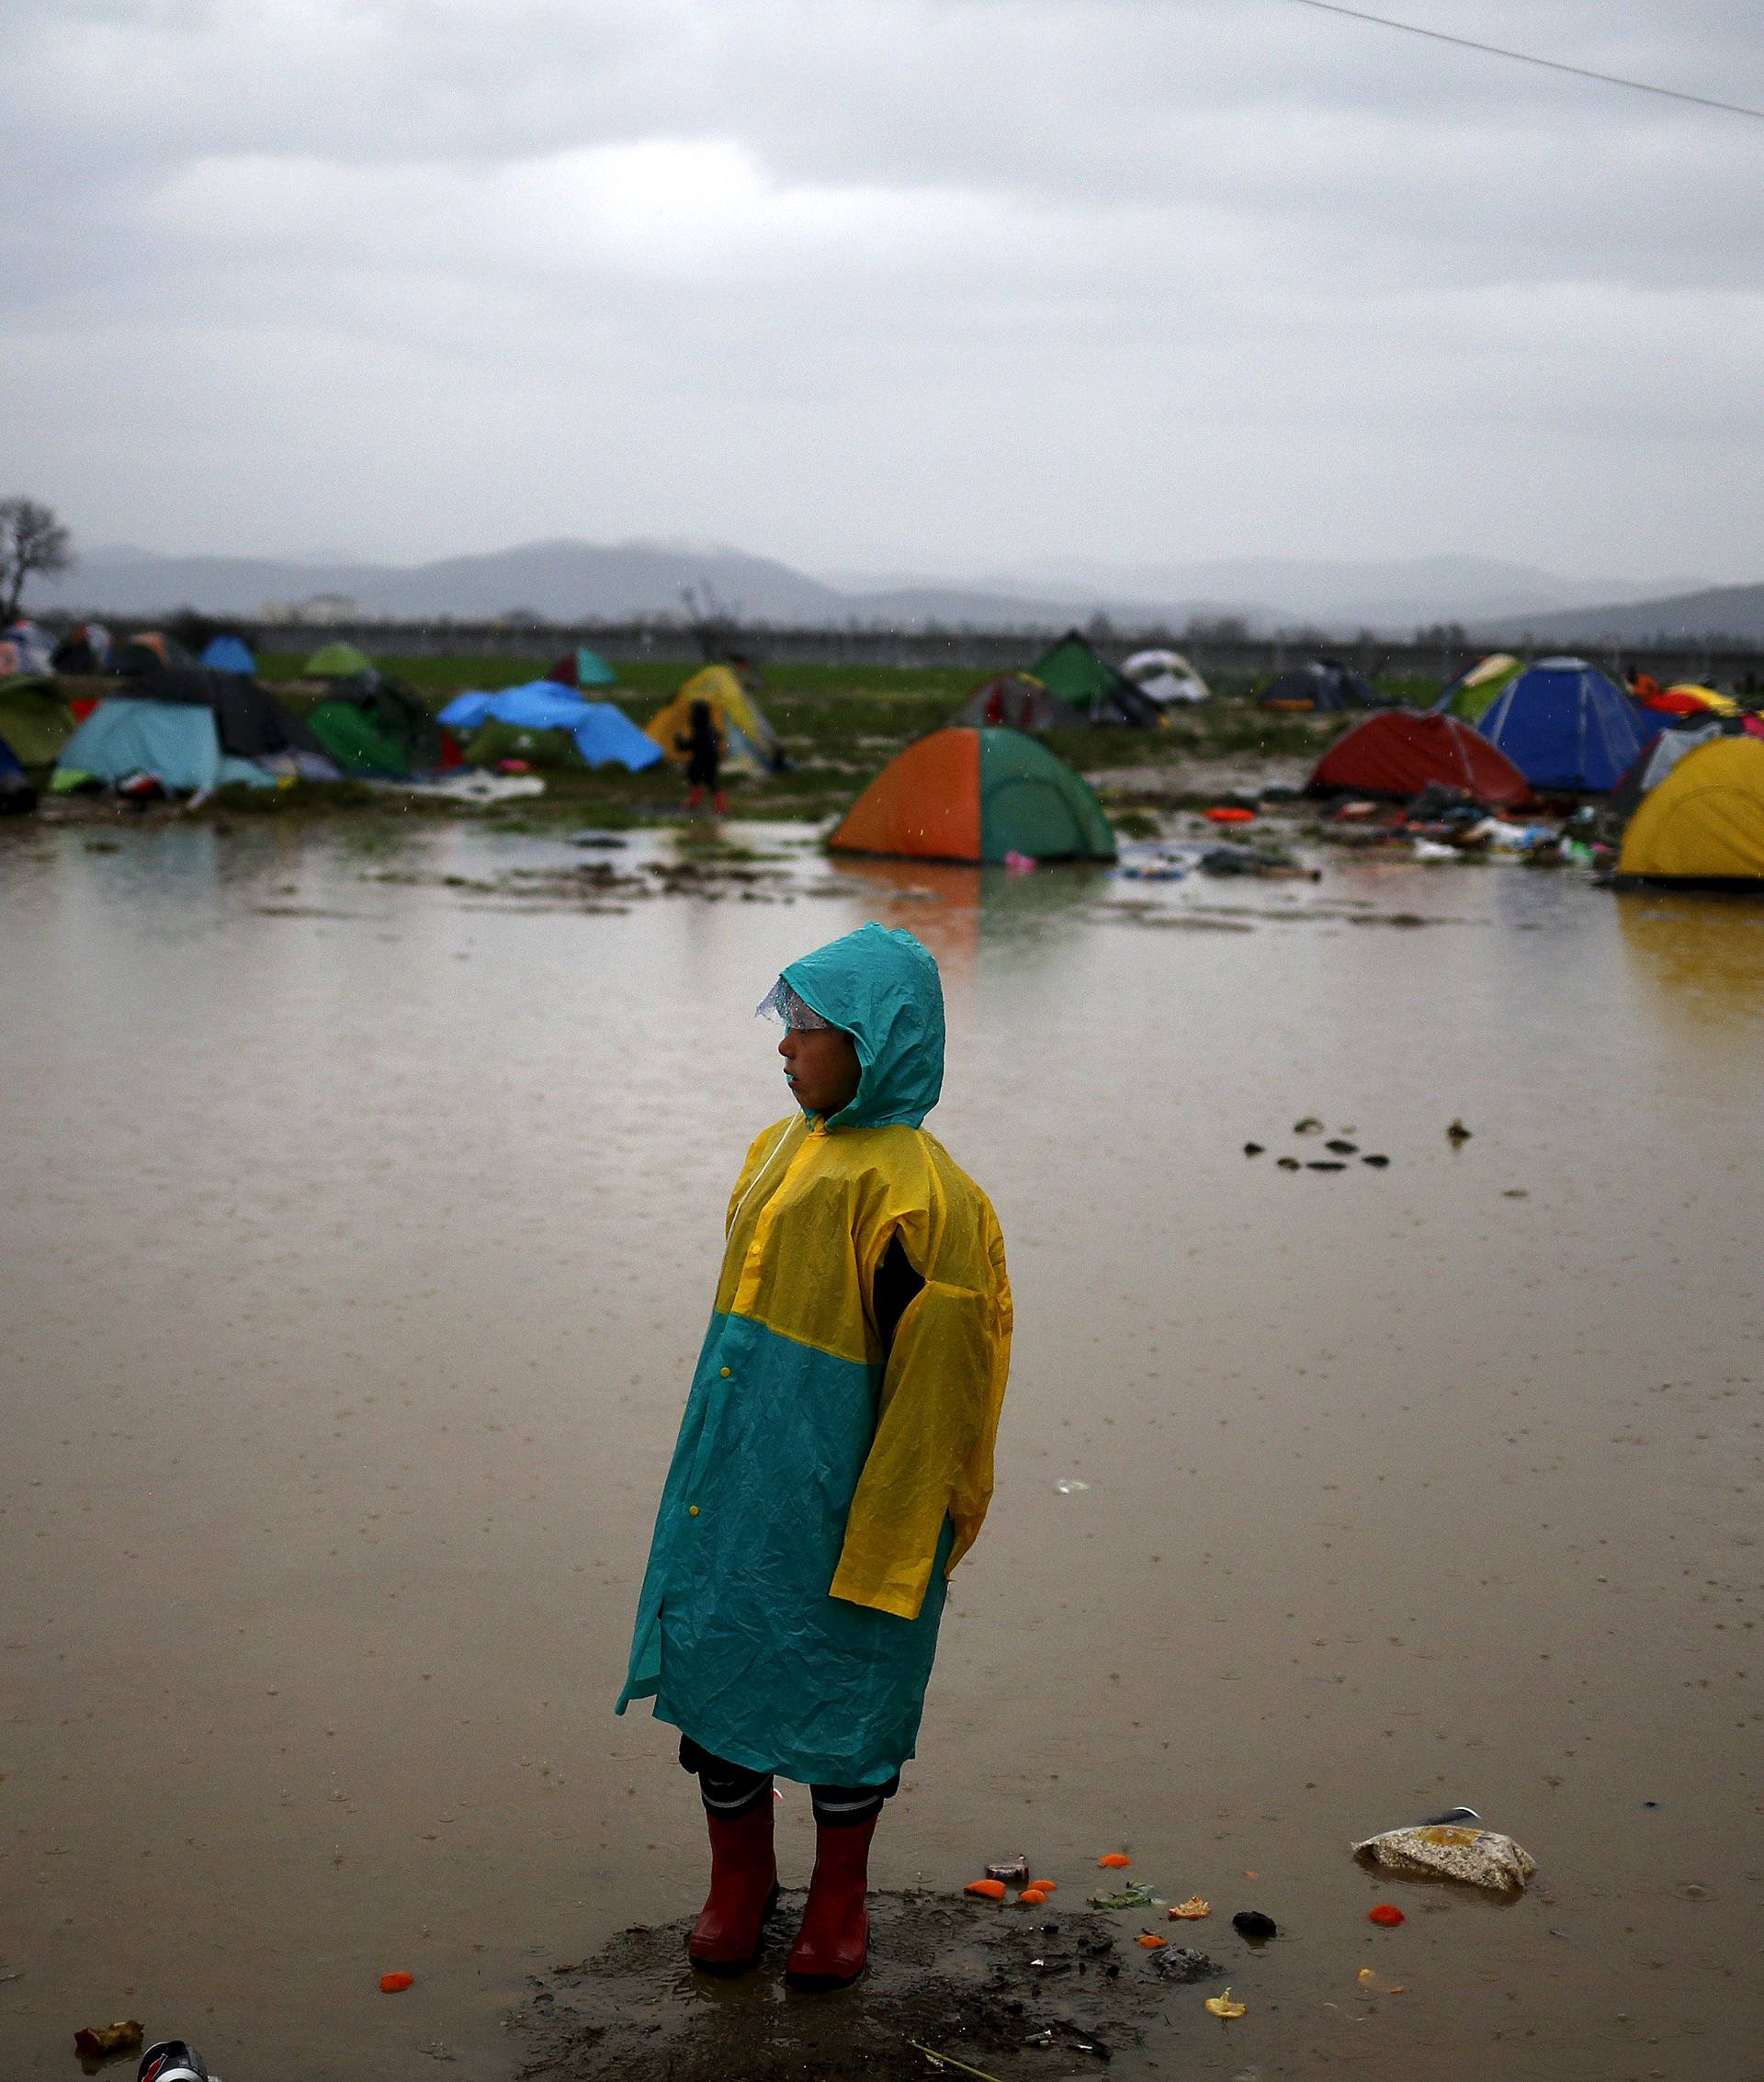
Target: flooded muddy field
[[364, 1199]]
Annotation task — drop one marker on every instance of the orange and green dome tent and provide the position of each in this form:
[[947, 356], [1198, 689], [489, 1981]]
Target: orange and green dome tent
[[977, 795]]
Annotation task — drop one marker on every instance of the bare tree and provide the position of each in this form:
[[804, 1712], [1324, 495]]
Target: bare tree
[[33, 542]]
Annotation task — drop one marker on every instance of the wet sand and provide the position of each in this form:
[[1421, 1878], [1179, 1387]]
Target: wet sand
[[359, 1233]]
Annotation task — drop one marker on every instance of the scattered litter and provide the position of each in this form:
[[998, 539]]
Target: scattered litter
[[1457, 1132], [1428, 849], [396, 1984], [1514, 1192], [1378, 1163], [1387, 1912], [1045, 1886], [988, 1890], [1289, 1163], [1115, 1859], [1150, 1943], [1020, 862], [98, 2042], [1227, 2006], [1015, 1872], [1253, 1148], [1069, 1485], [1481, 1857], [1224, 814], [1182, 1962], [1252, 1924], [1310, 1124], [1135, 1895], [1342, 1149], [1374, 1984], [949, 2060], [1191, 1910], [1326, 1164], [1032, 1897]]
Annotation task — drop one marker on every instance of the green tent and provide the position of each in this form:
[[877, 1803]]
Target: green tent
[[336, 662], [375, 725], [1473, 692], [977, 795], [1075, 671], [34, 720]]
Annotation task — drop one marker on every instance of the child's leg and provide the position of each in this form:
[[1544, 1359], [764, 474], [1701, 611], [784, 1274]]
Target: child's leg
[[834, 1940], [743, 1869]]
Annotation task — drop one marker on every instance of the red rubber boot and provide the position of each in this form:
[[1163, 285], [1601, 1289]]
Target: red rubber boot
[[744, 1888], [833, 1943]]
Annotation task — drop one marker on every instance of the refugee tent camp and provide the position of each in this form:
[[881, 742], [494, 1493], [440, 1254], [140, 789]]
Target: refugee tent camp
[[1166, 676], [753, 745], [371, 724], [1079, 675], [229, 655], [252, 722], [34, 720], [1398, 752], [977, 796], [1567, 727], [1704, 822], [336, 662], [1019, 702], [149, 650], [1320, 685], [1470, 695], [177, 742], [548, 725], [580, 668]]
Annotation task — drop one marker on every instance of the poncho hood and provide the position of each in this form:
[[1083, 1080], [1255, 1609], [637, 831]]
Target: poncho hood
[[882, 987]]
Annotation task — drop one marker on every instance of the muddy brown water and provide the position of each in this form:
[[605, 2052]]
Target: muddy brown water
[[357, 1235]]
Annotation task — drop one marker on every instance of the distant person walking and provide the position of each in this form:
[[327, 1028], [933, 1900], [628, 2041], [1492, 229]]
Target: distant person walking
[[835, 1458], [704, 746]]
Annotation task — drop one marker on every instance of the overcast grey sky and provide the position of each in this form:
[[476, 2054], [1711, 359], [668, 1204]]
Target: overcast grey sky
[[953, 285]]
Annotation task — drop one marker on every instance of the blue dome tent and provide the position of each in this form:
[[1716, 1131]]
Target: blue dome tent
[[228, 654], [602, 734], [1567, 727]]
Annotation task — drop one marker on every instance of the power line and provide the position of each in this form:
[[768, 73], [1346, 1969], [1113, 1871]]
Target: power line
[[1526, 58]]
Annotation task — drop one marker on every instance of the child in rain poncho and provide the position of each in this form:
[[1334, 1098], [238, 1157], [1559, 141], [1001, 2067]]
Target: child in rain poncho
[[835, 1459]]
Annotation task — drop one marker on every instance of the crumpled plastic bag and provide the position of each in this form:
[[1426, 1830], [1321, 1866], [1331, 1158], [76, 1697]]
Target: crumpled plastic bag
[[1452, 1851]]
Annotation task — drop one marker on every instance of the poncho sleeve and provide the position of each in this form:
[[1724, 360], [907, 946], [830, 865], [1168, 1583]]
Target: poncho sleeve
[[937, 1421]]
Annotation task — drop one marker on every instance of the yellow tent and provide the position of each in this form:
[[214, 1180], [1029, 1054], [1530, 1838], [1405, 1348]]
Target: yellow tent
[[1705, 821], [751, 741]]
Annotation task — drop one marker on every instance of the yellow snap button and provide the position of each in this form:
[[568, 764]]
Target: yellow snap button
[[725, 1372], [692, 1510]]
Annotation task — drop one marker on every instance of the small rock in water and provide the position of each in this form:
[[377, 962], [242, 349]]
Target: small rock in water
[[1253, 1148], [1252, 1924], [1182, 1962], [1377, 1162]]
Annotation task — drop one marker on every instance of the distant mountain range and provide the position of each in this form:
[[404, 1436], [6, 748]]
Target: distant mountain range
[[572, 580], [1706, 615]]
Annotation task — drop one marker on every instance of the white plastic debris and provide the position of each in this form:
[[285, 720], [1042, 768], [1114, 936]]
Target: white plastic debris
[[1452, 1851]]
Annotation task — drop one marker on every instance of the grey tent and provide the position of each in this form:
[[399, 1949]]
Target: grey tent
[[1320, 685]]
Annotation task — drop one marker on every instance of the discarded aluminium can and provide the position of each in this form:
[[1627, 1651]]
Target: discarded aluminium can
[[173, 2060], [1013, 1871]]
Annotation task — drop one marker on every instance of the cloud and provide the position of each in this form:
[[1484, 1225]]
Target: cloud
[[840, 280]]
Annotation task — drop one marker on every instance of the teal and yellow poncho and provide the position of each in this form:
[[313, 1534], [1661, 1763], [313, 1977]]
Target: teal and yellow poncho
[[822, 1488]]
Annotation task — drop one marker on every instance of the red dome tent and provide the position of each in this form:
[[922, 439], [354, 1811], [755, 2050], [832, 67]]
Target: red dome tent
[[1399, 751]]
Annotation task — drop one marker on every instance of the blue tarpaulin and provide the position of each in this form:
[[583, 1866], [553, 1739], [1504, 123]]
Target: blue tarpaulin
[[602, 733], [1565, 726]]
